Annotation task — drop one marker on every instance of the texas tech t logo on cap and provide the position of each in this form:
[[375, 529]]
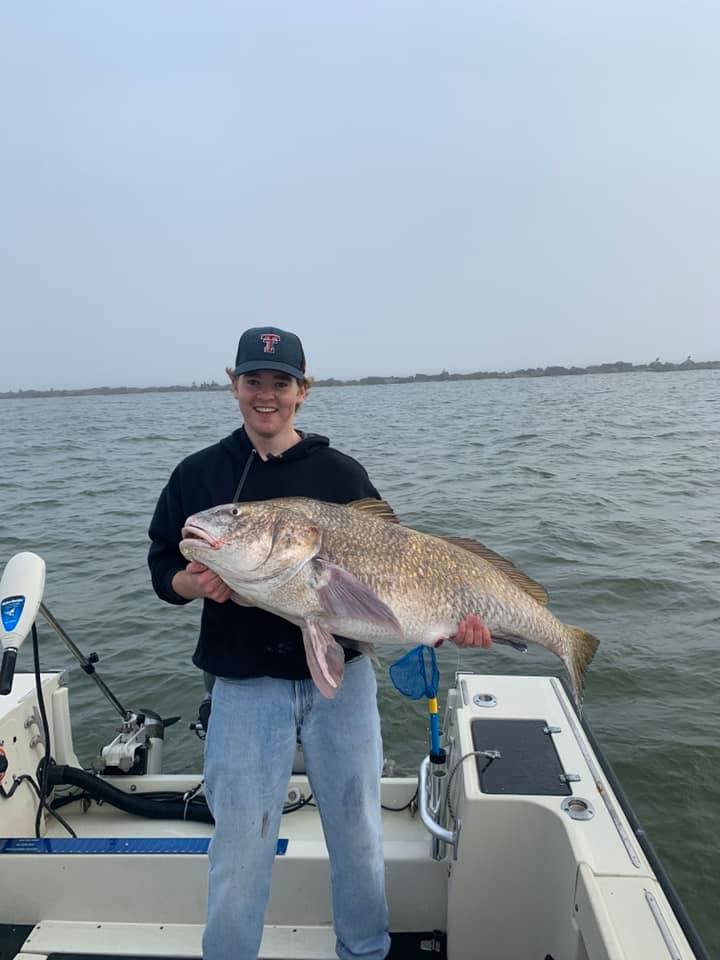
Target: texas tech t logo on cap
[[269, 348], [270, 339]]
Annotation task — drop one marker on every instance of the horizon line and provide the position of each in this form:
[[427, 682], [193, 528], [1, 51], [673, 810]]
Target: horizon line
[[555, 370]]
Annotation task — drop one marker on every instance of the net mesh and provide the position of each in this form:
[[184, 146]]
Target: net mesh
[[416, 674]]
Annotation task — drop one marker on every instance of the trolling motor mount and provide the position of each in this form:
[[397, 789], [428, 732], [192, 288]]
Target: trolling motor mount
[[138, 747]]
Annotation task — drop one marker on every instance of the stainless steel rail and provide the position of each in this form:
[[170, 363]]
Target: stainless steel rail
[[431, 825]]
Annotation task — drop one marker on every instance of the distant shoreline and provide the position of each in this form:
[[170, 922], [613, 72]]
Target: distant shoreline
[[555, 371]]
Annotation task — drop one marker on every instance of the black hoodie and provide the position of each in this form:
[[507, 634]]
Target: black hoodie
[[240, 641]]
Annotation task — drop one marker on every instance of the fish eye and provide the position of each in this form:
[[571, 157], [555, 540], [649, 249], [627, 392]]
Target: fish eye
[[235, 511]]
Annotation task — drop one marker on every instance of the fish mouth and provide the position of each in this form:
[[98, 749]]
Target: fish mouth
[[196, 535]]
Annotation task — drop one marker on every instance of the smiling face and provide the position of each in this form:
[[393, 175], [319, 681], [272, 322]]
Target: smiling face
[[268, 401]]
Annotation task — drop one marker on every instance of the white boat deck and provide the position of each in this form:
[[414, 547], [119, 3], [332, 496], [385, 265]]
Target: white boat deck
[[530, 880], [174, 940]]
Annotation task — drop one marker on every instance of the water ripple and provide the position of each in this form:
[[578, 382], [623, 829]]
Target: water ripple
[[602, 488]]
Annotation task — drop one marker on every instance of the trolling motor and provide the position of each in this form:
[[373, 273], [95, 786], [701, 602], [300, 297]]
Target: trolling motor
[[21, 590], [138, 747]]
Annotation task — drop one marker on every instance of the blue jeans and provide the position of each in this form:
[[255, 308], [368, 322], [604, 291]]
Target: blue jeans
[[249, 752]]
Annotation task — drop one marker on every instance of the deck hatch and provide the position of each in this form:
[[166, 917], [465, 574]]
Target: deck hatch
[[529, 764], [404, 946]]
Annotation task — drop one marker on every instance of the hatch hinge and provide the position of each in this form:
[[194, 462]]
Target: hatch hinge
[[435, 944], [569, 777]]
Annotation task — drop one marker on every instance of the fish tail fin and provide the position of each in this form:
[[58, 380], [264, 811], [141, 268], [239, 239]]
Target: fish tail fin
[[582, 650]]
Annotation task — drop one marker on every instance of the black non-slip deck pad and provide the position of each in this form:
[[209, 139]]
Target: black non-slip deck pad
[[12, 937], [528, 765]]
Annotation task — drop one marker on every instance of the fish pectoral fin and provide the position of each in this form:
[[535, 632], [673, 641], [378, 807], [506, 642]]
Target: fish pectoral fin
[[343, 595], [325, 658], [518, 645]]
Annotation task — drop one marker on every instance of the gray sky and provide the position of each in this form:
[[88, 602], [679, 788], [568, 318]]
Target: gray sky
[[410, 186]]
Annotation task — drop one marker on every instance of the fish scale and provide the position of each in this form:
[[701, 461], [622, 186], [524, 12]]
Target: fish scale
[[350, 571]]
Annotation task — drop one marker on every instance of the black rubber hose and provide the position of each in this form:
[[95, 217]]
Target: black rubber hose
[[61, 775]]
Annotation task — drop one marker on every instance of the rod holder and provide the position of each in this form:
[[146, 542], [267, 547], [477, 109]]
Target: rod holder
[[427, 814]]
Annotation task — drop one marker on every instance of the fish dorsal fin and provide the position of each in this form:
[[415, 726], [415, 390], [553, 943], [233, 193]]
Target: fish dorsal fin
[[376, 508], [520, 579]]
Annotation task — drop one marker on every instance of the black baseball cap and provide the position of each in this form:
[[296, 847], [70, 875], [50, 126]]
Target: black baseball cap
[[269, 348]]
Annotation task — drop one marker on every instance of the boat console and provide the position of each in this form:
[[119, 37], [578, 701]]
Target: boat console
[[546, 857]]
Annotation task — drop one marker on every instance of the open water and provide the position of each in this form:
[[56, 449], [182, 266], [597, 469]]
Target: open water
[[603, 488]]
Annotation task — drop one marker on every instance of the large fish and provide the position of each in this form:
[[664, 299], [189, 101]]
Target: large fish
[[355, 572]]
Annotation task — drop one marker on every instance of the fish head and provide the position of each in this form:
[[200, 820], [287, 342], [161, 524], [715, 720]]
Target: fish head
[[246, 542]]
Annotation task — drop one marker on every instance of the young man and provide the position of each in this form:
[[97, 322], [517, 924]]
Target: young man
[[263, 697]]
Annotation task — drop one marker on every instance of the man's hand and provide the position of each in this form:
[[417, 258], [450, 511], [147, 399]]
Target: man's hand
[[472, 632], [196, 580]]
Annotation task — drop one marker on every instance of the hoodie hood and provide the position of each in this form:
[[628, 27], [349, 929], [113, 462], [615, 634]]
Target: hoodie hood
[[239, 446]]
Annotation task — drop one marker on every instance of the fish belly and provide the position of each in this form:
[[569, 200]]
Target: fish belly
[[411, 635]]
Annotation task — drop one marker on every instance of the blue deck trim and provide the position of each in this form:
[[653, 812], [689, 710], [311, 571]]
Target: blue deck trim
[[114, 845]]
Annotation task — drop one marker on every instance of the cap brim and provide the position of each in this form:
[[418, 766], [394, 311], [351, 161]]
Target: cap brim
[[268, 365]]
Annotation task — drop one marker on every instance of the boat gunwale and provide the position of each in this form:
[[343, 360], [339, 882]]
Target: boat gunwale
[[638, 831]]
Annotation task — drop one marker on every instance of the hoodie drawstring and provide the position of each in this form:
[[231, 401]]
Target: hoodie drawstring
[[246, 468]]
